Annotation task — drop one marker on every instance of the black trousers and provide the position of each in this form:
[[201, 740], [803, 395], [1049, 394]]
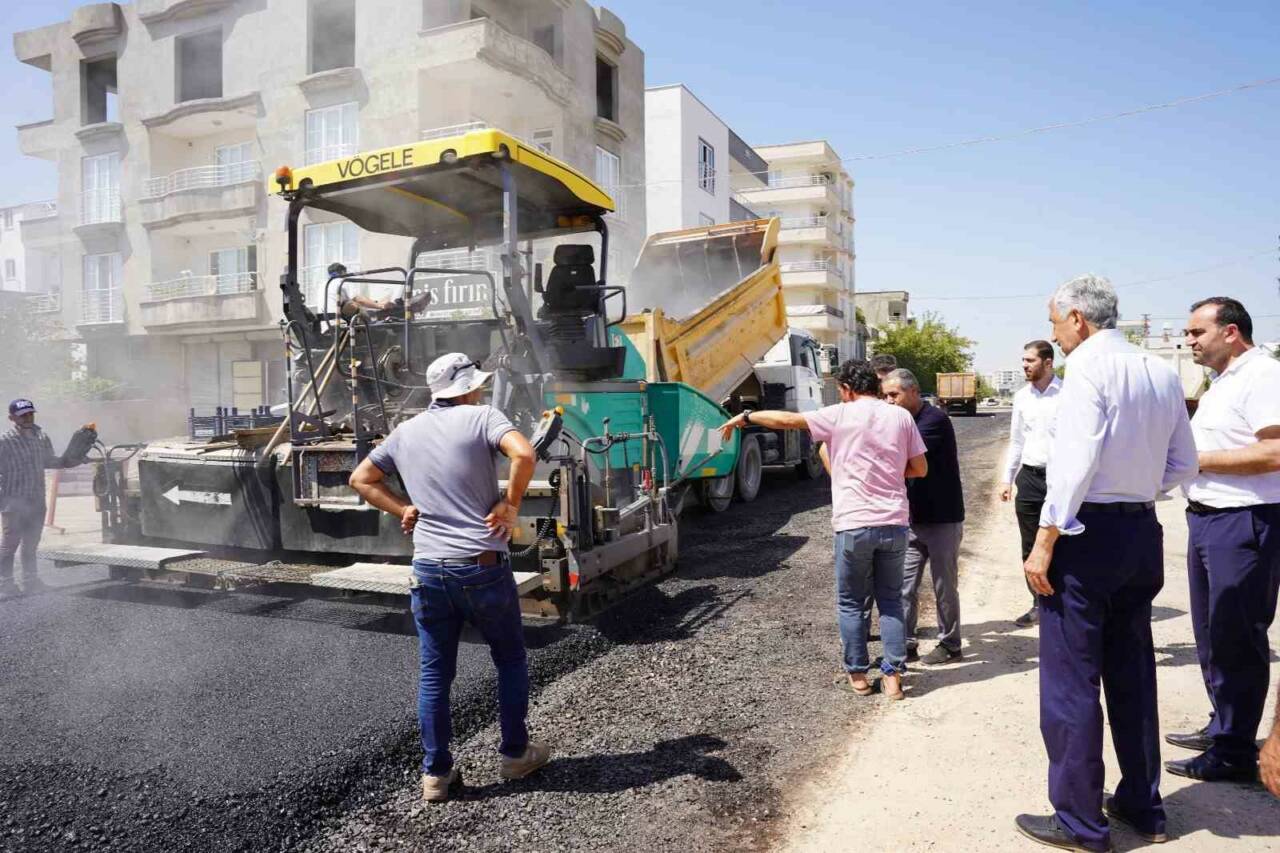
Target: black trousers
[[1031, 486], [21, 526]]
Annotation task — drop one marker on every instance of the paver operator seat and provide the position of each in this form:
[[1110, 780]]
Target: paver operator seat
[[574, 312]]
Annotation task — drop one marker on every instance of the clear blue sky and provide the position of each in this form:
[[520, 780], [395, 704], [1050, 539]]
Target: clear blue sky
[[1137, 198]]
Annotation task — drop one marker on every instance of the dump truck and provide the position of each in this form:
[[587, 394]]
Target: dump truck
[[621, 407], [958, 392]]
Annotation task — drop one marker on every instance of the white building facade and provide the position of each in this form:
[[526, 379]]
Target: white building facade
[[810, 191], [169, 114], [693, 162]]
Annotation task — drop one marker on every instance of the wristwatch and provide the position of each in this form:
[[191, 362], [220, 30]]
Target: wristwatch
[[746, 416]]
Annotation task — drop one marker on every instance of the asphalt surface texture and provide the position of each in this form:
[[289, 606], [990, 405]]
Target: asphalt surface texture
[[140, 718]]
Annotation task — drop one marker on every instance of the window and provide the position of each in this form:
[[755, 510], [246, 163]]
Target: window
[[100, 299], [545, 38], [703, 219], [10, 269], [609, 177], [706, 166], [98, 91], [606, 86], [332, 133], [236, 164], [324, 244], [234, 270], [775, 177], [100, 189], [200, 66], [332, 26], [8, 219], [544, 140]]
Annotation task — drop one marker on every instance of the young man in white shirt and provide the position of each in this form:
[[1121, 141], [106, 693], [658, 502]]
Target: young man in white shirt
[[1035, 408], [1233, 552], [1122, 438]]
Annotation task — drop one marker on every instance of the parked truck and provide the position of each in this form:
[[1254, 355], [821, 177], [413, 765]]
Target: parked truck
[[958, 392], [622, 406]]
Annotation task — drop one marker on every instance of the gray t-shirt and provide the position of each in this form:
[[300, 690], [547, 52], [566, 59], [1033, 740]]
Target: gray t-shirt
[[447, 459]]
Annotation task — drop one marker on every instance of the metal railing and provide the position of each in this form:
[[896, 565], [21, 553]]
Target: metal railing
[[707, 178], [203, 285], [812, 266], [789, 222], [97, 206], [814, 311], [102, 306], [39, 210], [45, 303], [203, 177], [782, 182], [329, 152]]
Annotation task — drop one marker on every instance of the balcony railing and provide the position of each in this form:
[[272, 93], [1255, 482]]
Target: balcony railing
[[99, 206], [39, 210], [203, 177], [325, 153], [203, 285], [791, 222], [45, 303], [812, 266], [782, 182], [102, 306]]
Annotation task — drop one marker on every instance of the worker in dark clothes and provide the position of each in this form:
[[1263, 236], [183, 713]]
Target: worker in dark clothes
[[25, 453], [1122, 438], [446, 459], [937, 521], [1233, 556]]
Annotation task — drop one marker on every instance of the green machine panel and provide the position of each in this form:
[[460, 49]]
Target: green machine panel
[[688, 421]]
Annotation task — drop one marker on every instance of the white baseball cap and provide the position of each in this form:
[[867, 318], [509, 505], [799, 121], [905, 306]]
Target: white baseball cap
[[455, 374]]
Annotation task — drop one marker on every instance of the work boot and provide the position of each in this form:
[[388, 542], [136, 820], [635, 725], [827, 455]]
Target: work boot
[[535, 755], [436, 789], [1031, 617]]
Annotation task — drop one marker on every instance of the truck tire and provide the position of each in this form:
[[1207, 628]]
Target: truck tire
[[971, 408], [810, 467], [717, 492], [750, 469]]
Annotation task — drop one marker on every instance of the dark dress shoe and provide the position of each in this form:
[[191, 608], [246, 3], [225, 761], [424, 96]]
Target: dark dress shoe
[[1110, 810], [1046, 830], [1207, 768], [1197, 740], [1031, 617]]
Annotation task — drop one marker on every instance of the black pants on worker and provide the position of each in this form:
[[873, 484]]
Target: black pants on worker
[[20, 529], [1032, 487], [1233, 565], [1096, 629]]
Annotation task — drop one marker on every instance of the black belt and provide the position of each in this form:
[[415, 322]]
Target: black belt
[[1039, 469], [1204, 509], [1123, 507], [484, 558]]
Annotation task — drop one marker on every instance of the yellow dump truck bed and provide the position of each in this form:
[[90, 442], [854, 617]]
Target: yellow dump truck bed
[[724, 280]]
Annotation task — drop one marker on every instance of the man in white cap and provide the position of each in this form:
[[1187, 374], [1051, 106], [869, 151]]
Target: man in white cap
[[446, 459]]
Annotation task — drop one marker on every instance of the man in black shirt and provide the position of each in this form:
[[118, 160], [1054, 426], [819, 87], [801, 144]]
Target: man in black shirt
[[937, 520]]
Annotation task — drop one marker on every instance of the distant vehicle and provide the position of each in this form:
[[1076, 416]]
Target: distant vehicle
[[990, 402], [931, 399], [958, 392]]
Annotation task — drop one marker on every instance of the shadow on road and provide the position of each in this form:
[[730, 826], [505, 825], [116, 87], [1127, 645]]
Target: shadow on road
[[611, 774]]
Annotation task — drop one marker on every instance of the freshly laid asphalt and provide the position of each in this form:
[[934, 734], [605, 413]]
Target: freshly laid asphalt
[[146, 718]]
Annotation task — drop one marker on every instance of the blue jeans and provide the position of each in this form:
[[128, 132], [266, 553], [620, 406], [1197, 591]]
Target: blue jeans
[[869, 564], [444, 599]]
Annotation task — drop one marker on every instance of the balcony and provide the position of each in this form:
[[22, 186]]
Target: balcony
[[100, 207], [820, 273], [790, 188], [39, 139], [101, 307], [155, 11], [40, 225], [207, 116], [201, 193], [484, 41], [203, 300], [807, 229], [45, 303], [816, 318]]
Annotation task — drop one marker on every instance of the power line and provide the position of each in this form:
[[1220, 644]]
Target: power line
[[1044, 294], [982, 140]]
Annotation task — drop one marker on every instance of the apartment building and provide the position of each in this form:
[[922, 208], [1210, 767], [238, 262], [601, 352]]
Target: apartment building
[[27, 263], [693, 162], [169, 114], [811, 192], [1006, 381]]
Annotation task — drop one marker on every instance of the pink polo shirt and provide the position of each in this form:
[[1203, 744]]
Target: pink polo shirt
[[869, 442]]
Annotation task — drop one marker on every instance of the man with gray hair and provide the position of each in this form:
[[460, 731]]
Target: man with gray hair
[[937, 520], [1122, 438]]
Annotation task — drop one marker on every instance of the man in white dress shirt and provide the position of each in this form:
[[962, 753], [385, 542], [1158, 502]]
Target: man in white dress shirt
[[1233, 555], [1035, 407], [1122, 438]]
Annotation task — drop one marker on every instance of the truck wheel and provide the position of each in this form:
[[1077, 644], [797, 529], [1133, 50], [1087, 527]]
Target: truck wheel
[[810, 468], [717, 492], [750, 469]]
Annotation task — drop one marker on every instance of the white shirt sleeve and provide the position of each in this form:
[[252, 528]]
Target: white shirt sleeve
[[1184, 462], [1077, 446], [1013, 459]]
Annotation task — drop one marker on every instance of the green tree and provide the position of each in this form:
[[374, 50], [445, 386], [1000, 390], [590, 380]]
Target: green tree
[[36, 359], [927, 348], [984, 389]]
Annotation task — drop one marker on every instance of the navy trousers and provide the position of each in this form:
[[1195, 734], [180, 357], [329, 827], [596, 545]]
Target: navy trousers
[[1096, 630], [1233, 565]]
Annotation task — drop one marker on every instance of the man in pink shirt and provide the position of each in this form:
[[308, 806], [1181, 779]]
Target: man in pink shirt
[[873, 447]]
